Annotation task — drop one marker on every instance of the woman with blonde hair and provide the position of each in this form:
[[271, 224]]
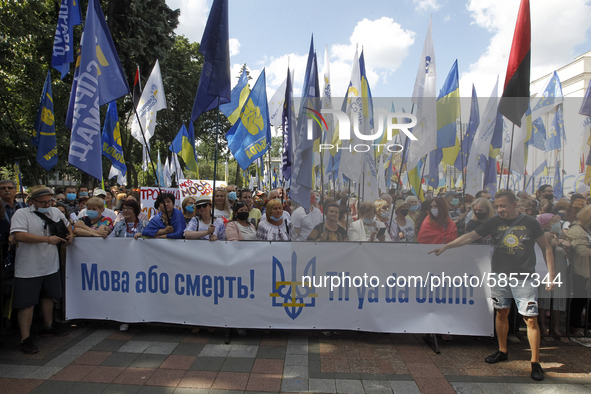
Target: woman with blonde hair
[[367, 228], [221, 204], [94, 224], [276, 227], [188, 206]]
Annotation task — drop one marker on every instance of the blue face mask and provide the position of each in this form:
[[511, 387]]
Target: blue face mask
[[273, 218], [71, 196], [232, 196], [455, 202], [190, 208], [44, 210], [83, 194], [368, 221], [415, 208], [555, 228], [92, 214]]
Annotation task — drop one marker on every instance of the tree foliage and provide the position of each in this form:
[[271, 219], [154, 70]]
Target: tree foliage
[[142, 31]]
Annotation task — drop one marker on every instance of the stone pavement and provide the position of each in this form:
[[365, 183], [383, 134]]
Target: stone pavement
[[95, 357]]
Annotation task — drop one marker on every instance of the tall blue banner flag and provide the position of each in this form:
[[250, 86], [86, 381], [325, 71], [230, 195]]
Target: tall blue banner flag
[[44, 136], [100, 80], [63, 44], [214, 82], [250, 136], [112, 148]]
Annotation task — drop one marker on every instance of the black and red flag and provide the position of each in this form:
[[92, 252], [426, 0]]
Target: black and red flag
[[515, 99], [137, 87]]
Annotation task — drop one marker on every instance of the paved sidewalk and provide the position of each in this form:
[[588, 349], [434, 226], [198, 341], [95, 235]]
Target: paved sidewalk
[[97, 358]]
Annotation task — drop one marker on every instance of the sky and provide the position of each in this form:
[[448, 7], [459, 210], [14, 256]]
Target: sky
[[478, 33]]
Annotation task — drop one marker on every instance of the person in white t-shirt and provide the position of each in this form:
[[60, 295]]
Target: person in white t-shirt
[[303, 221], [36, 269]]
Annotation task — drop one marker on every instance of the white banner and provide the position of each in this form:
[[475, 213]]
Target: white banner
[[148, 197], [193, 187], [259, 285]]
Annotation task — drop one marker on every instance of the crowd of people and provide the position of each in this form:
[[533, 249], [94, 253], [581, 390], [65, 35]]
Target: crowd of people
[[561, 227]]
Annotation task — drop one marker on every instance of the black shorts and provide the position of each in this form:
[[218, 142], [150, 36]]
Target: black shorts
[[28, 291]]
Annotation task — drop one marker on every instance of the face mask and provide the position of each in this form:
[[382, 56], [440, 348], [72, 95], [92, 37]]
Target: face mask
[[404, 212], [273, 218], [455, 202], [83, 194], [415, 208], [435, 211], [92, 214], [368, 221], [549, 196], [555, 228], [190, 208], [232, 196], [71, 196], [241, 215], [385, 214], [480, 215], [43, 210]]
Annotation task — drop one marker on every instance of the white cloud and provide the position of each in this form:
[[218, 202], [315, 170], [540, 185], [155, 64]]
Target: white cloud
[[234, 46], [426, 5], [556, 31], [193, 17], [385, 45]]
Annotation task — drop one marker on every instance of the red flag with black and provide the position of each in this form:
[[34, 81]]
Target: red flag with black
[[515, 99]]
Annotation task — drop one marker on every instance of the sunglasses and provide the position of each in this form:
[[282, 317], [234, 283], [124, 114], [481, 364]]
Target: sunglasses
[[199, 206]]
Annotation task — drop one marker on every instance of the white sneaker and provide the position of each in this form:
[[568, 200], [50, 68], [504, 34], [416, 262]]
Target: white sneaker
[[124, 327]]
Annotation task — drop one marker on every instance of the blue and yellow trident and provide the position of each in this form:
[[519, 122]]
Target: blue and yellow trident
[[291, 295]]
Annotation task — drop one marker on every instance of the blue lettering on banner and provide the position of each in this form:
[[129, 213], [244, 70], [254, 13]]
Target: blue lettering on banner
[[104, 280]]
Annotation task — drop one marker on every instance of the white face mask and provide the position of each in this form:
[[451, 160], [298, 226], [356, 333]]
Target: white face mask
[[434, 211]]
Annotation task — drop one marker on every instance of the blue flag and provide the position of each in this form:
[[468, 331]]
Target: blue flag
[[556, 131], [301, 182], [214, 82], [44, 137], [250, 136], [112, 148], [538, 138], [100, 80], [586, 104], [287, 121], [63, 45], [238, 98], [434, 159], [448, 109], [473, 123], [490, 176]]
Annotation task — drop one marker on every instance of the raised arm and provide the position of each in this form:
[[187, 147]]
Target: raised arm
[[456, 243]]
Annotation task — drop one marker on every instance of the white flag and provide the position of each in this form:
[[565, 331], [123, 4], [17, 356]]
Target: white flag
[[175, 168], [423, 97], [121, 179], [152, 101], [276, 104], [480, 148], [167, 173], [351, 161]]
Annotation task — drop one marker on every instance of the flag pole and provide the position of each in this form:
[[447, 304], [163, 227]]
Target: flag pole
[[510, 156], [462, 171], [137, 116], [215, 160]]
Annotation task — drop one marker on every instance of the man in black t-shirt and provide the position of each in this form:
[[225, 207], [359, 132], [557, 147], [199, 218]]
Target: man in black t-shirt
[[514, 237]]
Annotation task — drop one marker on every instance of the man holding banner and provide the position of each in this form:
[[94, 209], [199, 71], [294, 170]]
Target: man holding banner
[[513, 270]]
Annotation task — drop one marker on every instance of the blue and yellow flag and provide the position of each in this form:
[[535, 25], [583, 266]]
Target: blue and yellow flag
[[556, 131], [100, 80], [448, 112], [250, 137], [63, 44], [44, 134], [238, 98], [112, 148], [473, 123], [184, 146], [214, 82]]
